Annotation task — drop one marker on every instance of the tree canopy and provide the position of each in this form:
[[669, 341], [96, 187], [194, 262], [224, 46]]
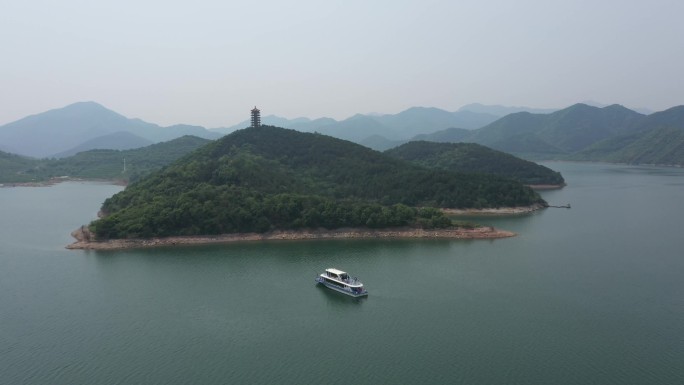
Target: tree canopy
[[475, 158], [98, 164]]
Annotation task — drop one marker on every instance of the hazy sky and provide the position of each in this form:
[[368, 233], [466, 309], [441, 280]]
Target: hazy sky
[[209, 62]]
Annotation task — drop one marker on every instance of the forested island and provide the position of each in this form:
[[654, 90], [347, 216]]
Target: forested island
[[266, 179]]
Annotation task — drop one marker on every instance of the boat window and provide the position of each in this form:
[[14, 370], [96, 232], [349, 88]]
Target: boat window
[[335, 283]]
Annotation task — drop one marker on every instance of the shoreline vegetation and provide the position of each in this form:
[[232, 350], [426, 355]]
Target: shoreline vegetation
[[122, 182], [83, 237], [501, 211], [53, 181]]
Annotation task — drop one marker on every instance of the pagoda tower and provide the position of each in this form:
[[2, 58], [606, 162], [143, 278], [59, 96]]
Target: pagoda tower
[[256, 117]]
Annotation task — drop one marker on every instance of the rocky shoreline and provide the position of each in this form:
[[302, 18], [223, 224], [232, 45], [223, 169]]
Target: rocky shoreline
[[502, 211], [546, 186], [85, 242], [53, 181]]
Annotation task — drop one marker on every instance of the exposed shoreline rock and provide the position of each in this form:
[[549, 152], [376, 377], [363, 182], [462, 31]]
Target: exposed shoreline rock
[[501, 211], [84, 237], [56, 180], [546, 186]]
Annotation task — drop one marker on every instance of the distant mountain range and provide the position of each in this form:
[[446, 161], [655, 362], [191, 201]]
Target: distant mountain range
[[655, 139], [67, 129], [360, 127], [501, 111], [87, 125], [562, 132], [580, 132]]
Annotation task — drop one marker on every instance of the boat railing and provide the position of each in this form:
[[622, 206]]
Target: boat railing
[[351, 280], [347, 280]]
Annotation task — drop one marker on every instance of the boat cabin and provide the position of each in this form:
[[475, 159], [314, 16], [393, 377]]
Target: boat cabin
[[336, 274]]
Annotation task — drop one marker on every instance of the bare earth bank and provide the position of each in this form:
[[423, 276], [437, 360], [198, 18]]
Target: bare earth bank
[[547, 186], [503, 211], [85, 239], [82, 235]]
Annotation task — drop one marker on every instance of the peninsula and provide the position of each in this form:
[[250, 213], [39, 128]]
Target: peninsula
[[266, 182]]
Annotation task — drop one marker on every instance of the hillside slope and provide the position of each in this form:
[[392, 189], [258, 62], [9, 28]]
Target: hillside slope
[[475, 158], [658, 139], [113, 164], [13, 167], [121, 140], [560, 133], [63, 129]]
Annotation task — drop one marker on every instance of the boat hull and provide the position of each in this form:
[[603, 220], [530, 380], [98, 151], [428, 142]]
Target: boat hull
[[338, 289]]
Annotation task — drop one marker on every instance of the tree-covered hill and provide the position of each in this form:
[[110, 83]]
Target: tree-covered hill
[[121, 140], [658, 140], [559, 134], [104, 164], [576, 127], [451, 135], [581, 132], [265, 178], [55, 131], [12, 168], [663, 146], [392, 127], [474, 158]]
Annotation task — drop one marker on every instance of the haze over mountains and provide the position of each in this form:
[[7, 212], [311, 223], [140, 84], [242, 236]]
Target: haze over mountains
[[580, 132], [120, 140], [61, 130], [403, 125], [87, 125]]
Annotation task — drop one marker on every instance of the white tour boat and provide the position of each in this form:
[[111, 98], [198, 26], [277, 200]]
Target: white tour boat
[[340, 281]]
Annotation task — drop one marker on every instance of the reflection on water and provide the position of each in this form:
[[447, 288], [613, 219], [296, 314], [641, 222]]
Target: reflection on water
[[335, 298]]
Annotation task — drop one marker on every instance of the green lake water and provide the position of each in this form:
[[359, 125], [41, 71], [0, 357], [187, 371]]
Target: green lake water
[[589, 295]]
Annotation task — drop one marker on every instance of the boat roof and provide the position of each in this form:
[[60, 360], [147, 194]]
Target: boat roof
[[335, 271]]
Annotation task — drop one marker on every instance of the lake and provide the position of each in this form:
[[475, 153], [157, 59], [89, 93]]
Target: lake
[[588, 295]]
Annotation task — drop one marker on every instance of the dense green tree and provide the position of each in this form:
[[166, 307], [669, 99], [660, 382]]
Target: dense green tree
[[99, 164], [475, 158]]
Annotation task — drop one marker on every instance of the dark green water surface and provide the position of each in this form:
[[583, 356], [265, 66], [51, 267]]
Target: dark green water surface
[[590, 295]]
